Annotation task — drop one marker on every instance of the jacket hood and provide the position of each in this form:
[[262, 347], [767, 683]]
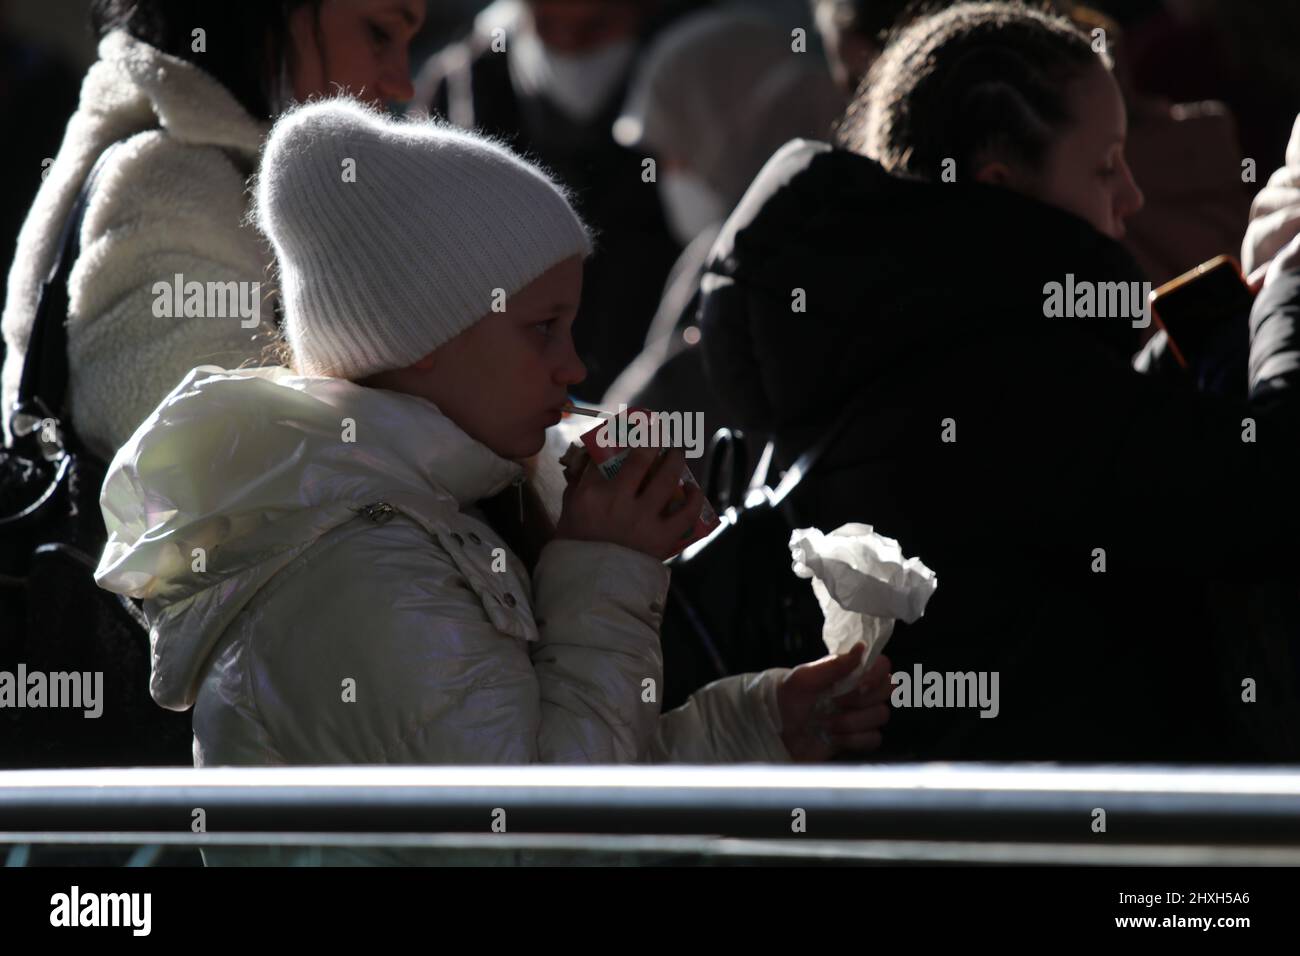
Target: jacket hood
[[890, 269], [238, 472], [133, 79]]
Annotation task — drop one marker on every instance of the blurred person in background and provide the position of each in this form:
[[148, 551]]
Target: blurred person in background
[[188, 88], [1240, 53], [549, 77], [716, 95], [1086, 521], [853, 32]]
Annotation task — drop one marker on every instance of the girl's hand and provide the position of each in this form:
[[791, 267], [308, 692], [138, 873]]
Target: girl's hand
[[628, 509], [853, 722]]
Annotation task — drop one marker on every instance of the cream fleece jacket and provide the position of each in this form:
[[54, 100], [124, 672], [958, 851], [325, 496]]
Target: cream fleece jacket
[[170, 201]]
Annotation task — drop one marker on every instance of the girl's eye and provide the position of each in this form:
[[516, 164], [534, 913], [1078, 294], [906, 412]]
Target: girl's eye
[[379, 34], [546, 327]]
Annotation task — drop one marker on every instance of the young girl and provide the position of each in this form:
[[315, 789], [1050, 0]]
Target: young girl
[[323, 584]]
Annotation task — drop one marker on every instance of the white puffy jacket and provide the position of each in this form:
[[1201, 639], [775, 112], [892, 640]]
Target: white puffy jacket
[[170, 200], [320, 600]]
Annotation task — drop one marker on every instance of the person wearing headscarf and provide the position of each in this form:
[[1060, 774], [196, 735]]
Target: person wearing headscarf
[[717, 95]]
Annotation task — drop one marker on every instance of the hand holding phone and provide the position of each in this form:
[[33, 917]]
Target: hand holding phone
[[1197, 309]]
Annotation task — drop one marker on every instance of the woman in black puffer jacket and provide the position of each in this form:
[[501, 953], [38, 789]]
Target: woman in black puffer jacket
[[1112, 545]]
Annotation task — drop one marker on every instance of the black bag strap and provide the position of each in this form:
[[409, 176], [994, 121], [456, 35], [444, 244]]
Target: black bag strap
[[727, 453], [805, 462], [730, 444], [43, 387]]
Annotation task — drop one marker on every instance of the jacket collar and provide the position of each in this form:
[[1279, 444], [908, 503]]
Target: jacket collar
[[408, 440], [901, 271], [444, 455], [265, 440], [187, 101]]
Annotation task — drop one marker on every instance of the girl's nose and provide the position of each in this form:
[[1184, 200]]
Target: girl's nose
[[572, 371]]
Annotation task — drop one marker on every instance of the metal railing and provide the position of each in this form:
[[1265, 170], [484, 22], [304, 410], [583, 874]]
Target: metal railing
[[952, 813]]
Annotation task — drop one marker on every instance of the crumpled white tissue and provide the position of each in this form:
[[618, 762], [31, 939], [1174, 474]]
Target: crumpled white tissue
[[863, 584]]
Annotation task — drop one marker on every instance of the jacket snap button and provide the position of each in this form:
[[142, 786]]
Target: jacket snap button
[[457, 538], [509, 599], [475, 538]]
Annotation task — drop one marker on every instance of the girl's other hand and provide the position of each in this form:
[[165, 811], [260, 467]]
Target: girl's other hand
[[853, 721]]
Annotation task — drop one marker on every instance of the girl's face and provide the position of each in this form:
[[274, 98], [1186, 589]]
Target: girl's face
[[504, 380], [359, 46], [1085, 172]]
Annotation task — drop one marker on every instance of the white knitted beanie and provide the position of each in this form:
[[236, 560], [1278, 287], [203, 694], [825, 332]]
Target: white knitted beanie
[[394, 236]]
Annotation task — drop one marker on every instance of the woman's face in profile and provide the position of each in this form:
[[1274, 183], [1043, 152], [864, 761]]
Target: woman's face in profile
[[360, 46], [1085, 171]]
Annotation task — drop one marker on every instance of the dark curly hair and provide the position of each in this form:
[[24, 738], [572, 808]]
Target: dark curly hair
[[970, 81], [246, 41]]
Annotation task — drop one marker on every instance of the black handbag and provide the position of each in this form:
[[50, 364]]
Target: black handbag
[[55, 619], [734, 604]]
